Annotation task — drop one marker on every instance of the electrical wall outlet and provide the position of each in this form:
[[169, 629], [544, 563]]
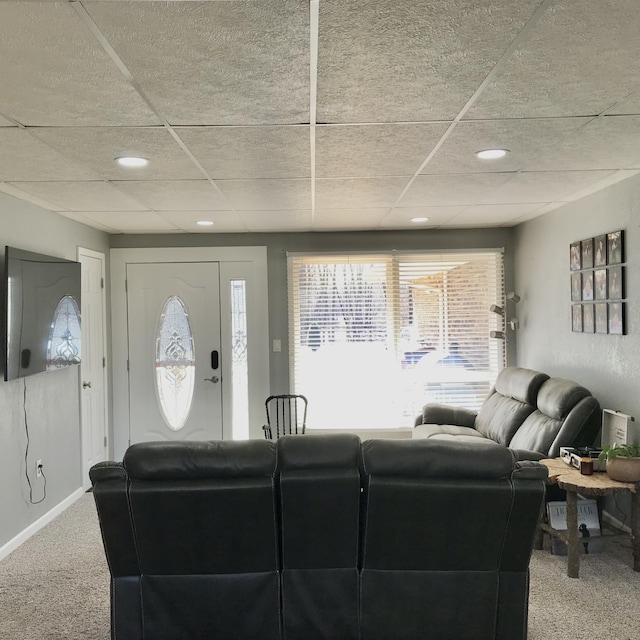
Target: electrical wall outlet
[[38, 468]]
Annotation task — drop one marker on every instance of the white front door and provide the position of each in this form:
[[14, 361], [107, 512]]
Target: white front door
[[173, 327], [92, 369]]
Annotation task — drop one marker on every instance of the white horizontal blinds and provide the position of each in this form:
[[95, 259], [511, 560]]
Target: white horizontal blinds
[[373, 337]]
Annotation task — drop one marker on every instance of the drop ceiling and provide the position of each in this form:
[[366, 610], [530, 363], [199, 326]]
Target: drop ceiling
[[321, 115]]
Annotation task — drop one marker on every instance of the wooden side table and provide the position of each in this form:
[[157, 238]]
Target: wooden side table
[[599, 484]]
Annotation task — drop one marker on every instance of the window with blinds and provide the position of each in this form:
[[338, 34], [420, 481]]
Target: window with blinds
[[375, 337]]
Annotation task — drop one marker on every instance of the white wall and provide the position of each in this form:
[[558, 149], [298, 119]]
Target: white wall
[[609, 366], [51, 404]]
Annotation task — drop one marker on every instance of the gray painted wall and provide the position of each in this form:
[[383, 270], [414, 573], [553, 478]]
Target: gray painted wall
[[278, 244], [607, 365], [51, 404]]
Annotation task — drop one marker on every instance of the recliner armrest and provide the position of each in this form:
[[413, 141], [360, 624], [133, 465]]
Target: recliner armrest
[[444, 414], [526, 454], [530, 470]]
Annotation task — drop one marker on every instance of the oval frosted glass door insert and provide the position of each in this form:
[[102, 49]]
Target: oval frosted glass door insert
[[175, 363]]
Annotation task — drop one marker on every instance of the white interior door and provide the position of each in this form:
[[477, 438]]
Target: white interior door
[[92, 368], [175, 381]]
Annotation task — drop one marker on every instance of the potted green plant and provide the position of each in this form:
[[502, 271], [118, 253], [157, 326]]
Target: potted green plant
[[623, 461]]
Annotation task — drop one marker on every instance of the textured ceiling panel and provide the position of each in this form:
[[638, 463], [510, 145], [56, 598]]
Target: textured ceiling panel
[[388, 61], [374, 150], [256, 195], [268, 221], [54, 72], [525, 140], [493, 214], [400, 217], [98, 147], [175, 195], [560, 186], [583, 57], [610, 142], [81, 196], [630, 105], [222, 221], [215, 62], [6, 123], [24, 157], [348, 219], [358, 193], [129, 221], [250, 152], [453, 190]]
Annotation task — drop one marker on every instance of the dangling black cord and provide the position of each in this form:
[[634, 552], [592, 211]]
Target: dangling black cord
[[26, 452]]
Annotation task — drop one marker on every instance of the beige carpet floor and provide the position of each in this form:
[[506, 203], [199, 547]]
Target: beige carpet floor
[[56, 587]]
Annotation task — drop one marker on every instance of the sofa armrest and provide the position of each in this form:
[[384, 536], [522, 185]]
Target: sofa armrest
[[445, 414], [530, 470], [526, 454]]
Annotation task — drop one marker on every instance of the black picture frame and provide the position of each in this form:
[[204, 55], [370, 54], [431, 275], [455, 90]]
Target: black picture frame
[[587, 285], [600, 284], [615, 280], [576, 318], [600, 251], [601, 316], [575, 256], [588, 318], [576, 287], [616, 319], [615, 247], [587, 253]]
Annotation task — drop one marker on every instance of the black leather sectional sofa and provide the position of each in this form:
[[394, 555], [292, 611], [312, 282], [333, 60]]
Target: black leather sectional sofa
[[318, 538]]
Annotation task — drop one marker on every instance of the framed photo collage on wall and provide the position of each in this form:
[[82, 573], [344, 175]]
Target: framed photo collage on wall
[[598, 284]]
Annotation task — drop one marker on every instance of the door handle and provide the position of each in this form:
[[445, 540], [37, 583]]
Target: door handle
[[86, 385], [212, 379]]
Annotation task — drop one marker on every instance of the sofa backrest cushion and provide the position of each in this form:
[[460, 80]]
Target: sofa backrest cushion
[[567, 416], [512, 399]]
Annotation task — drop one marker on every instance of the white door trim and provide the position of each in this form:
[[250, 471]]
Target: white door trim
[[255, 266], [97, 255]]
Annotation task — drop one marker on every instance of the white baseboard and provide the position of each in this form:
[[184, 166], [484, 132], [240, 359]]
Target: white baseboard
[[24, 535]]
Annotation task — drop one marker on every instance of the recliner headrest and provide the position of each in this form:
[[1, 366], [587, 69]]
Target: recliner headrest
[[521, 384], [328, 451], [432, 458], [200, 460], [558, 396]]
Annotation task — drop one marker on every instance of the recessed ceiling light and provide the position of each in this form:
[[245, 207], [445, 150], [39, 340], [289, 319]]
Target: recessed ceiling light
[[132, 161], [419, 219], [492, 154], [204, 223]]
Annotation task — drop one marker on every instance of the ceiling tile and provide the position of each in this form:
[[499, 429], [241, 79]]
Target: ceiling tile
[[400, 217], [582, 58], [80, 196], [610, 142], [215, 62], [54, 72], [98, 147], [348, 219], [126, 221], [256, 195], [453, 189], [389, 61], [526, 140], [227, 221], [629, 105], [374, 150], [276, 221], [174, 195], [358, 193], [6, 123], [24, 157], [494, 214], [527, 187], [250, 152]]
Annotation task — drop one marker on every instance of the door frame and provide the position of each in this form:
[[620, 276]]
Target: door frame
[[98, 255], [248, 263]]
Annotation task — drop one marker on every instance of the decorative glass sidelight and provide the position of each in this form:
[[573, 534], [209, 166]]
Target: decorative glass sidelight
[[175, 363], [239, 365], [63, 344]]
